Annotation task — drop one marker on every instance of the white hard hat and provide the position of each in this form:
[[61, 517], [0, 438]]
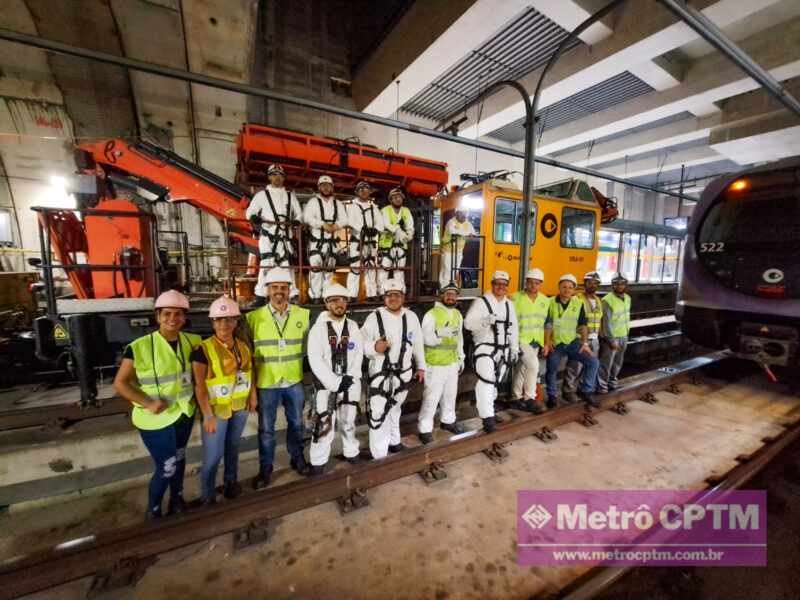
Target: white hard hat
[[394, 285], [224, 307], [275, 169], [396, 192], [619, 278], [364, 185], [568, 277], [324, 179], [594, 275], [501, 275], [334, 290], [172, 299], [278, 275], [535, 274], [450, 287]]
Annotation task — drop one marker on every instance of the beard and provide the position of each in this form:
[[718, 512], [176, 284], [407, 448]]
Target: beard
[[450, 303]]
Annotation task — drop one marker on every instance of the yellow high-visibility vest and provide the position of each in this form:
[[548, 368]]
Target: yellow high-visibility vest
[[227, 380], [531, 315], [445, 353], [278, 352], [565, 320], [620, 314], [166, 374], [387, 238], [593, 316]]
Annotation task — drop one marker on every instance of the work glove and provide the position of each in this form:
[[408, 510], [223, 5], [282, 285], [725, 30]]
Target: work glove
[[488, 320], [344, 385], [255, 223]]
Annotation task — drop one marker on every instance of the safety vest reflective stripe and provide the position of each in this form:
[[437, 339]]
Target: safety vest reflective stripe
[[161, 375], [445, 353], [278, 342], [620, 314], [565, 324], [593, 317], [386, 239], [531, 315], [276, 361]]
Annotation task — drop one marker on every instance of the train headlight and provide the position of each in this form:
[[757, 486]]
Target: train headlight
[[739, 185]]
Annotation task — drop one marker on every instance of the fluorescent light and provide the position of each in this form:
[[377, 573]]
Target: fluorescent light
[[472, 201]]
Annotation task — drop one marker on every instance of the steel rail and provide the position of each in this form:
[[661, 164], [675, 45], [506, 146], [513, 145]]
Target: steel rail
[[251, 90], [104, 551]]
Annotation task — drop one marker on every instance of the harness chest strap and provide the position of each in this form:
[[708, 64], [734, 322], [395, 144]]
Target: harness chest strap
[[389, 372], [501, 361]]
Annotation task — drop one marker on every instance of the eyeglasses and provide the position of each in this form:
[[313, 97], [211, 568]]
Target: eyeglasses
[[225, 319]]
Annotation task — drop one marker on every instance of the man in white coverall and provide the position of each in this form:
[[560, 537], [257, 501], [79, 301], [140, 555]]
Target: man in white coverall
[[272, 212], [335, 353], [442, 330], [454, 237], [392, 337], [325, 216], [398, 230], [493, 323], [366, 223]]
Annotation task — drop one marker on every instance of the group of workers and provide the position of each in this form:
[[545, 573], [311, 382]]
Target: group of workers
[[168, 374], [377, 243]]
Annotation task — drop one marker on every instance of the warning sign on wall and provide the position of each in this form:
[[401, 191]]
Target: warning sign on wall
[[60, 332]]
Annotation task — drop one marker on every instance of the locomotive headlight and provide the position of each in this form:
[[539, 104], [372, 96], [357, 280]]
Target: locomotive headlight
[[471, 202], [739, 185]]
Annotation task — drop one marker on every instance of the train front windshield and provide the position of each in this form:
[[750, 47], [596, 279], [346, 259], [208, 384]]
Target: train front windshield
[[750, 244]]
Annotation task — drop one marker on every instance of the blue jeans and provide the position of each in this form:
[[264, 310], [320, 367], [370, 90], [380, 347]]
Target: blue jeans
[[167, 447], [225, 440], [572, 352], [292, 398]]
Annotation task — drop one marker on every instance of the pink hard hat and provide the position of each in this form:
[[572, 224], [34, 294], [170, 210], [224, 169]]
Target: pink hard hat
[[172, 299], [224, 307]]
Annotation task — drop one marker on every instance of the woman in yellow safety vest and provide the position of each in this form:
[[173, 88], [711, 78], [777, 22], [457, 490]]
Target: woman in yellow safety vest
[[223, 374], [156, 377]]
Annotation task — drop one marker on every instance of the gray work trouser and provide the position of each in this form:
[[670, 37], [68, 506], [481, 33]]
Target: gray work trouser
[[610, 363], [574, 369]]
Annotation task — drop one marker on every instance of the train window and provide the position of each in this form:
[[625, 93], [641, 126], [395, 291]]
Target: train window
[[671, 255], [6, 236], [508, 221], [608, 255], [657, 270], [577, 228], [584, 193], [630, 254]]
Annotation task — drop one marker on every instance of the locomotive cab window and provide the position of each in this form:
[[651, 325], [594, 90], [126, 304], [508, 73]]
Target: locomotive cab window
[[508, 221], [577, 228]]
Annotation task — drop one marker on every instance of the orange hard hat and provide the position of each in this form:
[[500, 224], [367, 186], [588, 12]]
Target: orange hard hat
[[224, 307], [172, 299]]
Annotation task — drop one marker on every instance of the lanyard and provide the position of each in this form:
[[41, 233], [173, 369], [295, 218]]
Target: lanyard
[[178, 354], [237, 355], [285, 323]]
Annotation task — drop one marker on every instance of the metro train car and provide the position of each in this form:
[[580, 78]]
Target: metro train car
[[741, 276]]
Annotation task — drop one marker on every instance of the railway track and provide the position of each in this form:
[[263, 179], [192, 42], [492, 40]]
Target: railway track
[[122, 555]]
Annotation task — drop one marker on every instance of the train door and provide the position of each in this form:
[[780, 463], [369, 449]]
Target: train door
[[472, 202], [503, 233]]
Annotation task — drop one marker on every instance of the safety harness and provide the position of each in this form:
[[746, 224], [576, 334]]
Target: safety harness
[[499, 352], [325, 244], [281, 241], [391, 371], [397, 251], [367, 242], [339, 345]]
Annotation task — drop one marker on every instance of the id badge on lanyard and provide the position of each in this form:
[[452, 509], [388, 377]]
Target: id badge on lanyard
[[186, 379], [281, 345], [240, 378]]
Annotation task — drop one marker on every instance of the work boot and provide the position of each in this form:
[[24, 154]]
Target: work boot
[[152, 515], [570, 397], [177, 505], [258, 302], [354, 460], [552, 403], [395, 448], [210, 501], [589, 399], [232, 490], [300, 465], [489, 424], [452, 427], [426, 438], [530, 406], [316, 470], [262, 480]]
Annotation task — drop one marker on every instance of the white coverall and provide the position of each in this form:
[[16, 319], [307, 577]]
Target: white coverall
[[491, 363], [441, 381], [401, 235], [388, 432], [320, 359], [274, 243], [452, 253], [361, 218], [322, 246]]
